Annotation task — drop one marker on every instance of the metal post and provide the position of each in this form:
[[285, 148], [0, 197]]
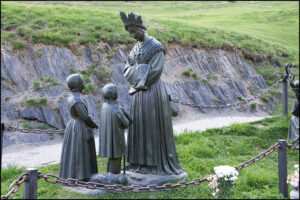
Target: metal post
[[282, 168], [2, 130], [30, 187], [284, 96]]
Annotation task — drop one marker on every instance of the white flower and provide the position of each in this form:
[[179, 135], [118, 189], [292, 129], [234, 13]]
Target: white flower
[[227, 171]]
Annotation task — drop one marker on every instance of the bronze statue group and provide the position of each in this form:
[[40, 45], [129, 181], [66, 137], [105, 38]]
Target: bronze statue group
[[150, 145]]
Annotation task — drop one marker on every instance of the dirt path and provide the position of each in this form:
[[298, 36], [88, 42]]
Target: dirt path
[[41, 154]]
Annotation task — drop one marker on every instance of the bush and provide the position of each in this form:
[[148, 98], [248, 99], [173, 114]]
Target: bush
[[240, 98], [72, 71], [194, 75], [253, 105], [266, 98], [36, 85], [36, 102], [26, 125], [204, 81], [90, 88], [186, 72]]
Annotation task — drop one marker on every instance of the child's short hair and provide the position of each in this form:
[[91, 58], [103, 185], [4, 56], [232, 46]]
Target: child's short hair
[[110, 92]]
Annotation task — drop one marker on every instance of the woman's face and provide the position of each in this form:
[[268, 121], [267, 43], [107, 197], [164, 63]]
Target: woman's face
[[136, 33]]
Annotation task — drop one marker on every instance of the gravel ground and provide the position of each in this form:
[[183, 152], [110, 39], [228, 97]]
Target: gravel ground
[[48, 152]]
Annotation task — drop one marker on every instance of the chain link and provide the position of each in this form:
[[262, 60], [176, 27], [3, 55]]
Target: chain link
[[70, 182], [229, 105], [22, 178], [38, 131], [258, 157]]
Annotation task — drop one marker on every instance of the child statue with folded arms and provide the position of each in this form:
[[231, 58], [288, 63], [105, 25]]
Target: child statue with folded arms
[[113, 120]]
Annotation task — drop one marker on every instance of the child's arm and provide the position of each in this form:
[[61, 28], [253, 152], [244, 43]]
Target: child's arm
[[124, 121], [127, 115], [84, 115]]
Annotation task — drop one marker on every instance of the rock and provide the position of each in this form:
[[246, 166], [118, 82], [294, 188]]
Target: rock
[[109, 178], [51, 118], [43, 114], [53, 91], [33, 113], [10, 111]]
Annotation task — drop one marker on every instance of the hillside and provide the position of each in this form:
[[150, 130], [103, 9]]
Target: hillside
[[258, 27], [44, 42]]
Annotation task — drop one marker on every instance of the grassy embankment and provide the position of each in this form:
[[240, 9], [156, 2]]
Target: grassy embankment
[[262, 29], [199, 153]]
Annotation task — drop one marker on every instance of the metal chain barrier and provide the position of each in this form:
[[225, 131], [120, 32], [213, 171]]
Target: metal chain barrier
[[22, 178], [38, 131], [258, 157], [291, 147], [70, 182], [229, 105]]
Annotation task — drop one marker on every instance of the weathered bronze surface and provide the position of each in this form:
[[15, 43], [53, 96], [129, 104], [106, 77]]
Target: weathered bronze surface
[[293, 135], [78, 156], [113, 120], [151, 146]]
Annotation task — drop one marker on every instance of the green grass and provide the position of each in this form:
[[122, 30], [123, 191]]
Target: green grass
[[261, 28], [36, 102], [50, 80], [199, 153], [27, 125]]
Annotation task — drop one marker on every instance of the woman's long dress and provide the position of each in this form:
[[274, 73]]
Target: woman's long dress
[[151, 146], [78, 157]]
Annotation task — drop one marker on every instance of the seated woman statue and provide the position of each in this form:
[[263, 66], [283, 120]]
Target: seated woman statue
[[151, 146], [78, 155]]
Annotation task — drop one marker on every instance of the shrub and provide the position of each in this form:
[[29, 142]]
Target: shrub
[[86, 79], [266, 98], [208, 76], [36, 102], [194, 75], [186, 72], [42, 101], [72, 71], [174, 113], [204, 81], [89, 88], [240, 98], [26, 125], [253, 105], [36, 85], [52, 81], [42, 126]]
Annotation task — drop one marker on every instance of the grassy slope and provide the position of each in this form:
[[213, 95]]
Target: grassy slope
[[258, 27], [198, 154]]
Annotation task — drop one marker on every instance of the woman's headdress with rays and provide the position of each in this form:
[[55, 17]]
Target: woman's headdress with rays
[[132, 20]]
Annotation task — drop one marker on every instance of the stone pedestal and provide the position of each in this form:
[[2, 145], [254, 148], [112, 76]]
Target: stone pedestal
[[109, 178], [147, 179], [130, 178]]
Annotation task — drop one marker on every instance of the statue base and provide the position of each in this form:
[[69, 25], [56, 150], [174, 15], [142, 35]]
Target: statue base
[[130, 178], [147, 179]]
